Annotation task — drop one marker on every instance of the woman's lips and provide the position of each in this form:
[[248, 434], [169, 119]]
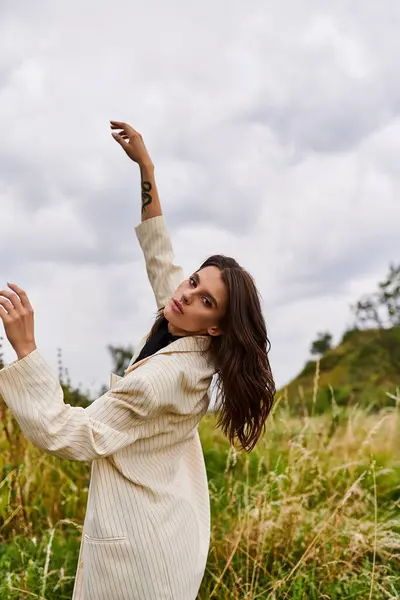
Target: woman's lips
[[176, 307]]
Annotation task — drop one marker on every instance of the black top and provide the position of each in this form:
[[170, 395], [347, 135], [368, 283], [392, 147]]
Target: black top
[[159, 340]]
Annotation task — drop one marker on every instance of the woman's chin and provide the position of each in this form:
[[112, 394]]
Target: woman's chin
[[170, 316]]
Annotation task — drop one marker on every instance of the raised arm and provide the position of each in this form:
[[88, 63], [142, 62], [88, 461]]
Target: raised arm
[[163, 274], [152, 233]]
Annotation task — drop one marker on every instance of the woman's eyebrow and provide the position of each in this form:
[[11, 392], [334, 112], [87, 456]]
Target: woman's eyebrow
[[196, 277]]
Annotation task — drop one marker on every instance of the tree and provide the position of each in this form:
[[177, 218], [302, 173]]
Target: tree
[[389, 295], [382, 308], [322, 344], [121, 357]]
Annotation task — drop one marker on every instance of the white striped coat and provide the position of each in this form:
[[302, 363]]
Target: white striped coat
[[146, 532]]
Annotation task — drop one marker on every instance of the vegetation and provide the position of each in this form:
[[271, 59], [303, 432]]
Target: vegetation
[[322, 344], [312, 513], [362, 370], [381, 308]]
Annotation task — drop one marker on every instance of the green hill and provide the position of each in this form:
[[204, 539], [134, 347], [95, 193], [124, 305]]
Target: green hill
[[360, 370]]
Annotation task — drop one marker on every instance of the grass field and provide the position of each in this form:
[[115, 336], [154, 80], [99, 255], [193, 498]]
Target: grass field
[[312, 513]]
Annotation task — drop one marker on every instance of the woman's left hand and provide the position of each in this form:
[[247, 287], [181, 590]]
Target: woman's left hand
[[17, 315]]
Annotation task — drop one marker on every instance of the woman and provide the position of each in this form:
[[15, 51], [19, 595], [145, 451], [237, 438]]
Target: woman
[[147, 526]]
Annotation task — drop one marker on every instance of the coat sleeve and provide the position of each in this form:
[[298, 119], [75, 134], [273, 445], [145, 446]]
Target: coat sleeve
[[163, 274], [112, 422]]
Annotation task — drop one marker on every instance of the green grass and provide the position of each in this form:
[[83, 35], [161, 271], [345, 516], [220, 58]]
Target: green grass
[[359, 371], [311, 513]]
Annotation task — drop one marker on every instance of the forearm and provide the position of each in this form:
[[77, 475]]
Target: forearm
[[151, 206], [164, 275], [21, 353]]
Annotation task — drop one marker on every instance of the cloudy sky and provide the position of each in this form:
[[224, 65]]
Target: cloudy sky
[[275, 132]]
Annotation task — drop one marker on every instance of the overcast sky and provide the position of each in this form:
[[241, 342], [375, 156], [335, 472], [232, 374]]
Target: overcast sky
[[275, 132]]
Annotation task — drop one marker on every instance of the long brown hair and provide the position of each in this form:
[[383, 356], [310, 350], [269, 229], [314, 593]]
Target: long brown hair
[[245, 383]]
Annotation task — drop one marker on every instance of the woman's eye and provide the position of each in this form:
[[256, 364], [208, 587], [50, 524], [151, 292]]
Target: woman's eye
[[207, 303], [192, 281]]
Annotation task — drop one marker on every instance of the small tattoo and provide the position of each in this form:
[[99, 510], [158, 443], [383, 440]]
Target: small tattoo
[[146, 197]]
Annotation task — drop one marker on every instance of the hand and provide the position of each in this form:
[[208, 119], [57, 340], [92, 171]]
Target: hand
[[131, 141], [17, 315]]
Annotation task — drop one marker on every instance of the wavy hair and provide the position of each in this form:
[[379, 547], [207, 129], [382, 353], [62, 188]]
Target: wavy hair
[[245, 384]]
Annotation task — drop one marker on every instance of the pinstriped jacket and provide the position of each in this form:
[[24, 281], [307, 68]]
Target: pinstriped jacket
[[146, 532]]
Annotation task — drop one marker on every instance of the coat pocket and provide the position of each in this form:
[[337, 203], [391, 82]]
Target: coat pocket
[[106, 568], [96, 540]]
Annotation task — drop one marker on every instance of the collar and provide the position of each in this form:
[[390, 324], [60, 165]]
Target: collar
[[190, 343]]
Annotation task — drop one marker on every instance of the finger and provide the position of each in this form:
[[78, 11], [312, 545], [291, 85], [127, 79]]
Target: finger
[[6, 305], [10, 301], [4, 314], [126, 128], [120, 140], [122, 134], [21, 293]]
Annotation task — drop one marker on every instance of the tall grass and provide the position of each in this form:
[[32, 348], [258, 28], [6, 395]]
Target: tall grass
[[312, 513]]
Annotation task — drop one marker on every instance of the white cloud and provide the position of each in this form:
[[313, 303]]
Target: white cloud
[[275, 134]]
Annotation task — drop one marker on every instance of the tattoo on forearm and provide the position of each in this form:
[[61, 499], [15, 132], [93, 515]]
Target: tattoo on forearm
[[146, 196]]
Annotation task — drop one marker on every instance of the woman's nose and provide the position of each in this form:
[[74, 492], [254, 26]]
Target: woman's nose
[[185, 298]]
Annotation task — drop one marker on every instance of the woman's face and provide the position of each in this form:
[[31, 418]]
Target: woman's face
[[198, 304]]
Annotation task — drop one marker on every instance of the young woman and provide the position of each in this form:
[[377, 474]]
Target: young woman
[[146, 533]]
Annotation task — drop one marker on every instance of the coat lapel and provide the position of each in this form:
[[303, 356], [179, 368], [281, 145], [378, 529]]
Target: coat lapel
[[190, 343]]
